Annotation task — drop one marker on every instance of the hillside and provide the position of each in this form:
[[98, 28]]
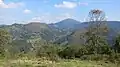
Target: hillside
[[63, 32], [74, 37], [28, 31], [66, 24]]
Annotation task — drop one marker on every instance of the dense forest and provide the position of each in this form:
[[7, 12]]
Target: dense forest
[[96, 39]]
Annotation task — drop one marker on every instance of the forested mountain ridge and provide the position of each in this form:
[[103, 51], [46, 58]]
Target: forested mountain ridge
[[30, 30], [74, 37], [62, 32]]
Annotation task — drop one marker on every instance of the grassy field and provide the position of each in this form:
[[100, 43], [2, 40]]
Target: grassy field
[[62, 63]]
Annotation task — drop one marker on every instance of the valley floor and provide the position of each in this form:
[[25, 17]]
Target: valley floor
[[62, 63]]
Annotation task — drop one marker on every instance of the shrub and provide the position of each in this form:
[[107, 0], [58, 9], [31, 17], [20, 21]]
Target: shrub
[[50, 51]]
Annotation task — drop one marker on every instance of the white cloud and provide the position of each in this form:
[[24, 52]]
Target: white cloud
[[63, 16], [27, 11], [70, 5], [10, 5], [48, 18], [66, 4]]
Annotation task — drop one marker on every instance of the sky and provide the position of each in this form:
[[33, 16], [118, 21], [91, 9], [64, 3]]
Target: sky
[[52, 11]]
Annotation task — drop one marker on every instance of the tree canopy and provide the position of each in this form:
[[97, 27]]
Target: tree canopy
[[4, 40]]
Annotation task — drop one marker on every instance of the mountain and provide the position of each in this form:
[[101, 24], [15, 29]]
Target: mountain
[[33, 30], [74, 37], [66, 24], [36, 27], [66, 31]]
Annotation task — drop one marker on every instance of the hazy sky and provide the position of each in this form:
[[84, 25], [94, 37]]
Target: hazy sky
[[51, 11]]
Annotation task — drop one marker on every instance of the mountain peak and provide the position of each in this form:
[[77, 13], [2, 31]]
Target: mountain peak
[[70, 20], [34, 23], [66, 23]]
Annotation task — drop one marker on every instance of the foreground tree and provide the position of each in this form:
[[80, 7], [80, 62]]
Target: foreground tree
[[4, 40], [117, 44], [96, 31]]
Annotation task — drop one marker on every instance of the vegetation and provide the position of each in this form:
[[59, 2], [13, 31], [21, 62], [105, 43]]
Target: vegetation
[[4, 40], [117, 44], [33, 48], [62, 63]]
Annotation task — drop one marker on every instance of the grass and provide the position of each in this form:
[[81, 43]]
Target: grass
[[41, 62]]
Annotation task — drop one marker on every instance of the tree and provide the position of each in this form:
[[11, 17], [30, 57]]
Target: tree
[[117, 44], [36, 43], [4, 40], [96, 31]]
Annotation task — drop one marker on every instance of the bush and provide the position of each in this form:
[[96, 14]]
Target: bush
[[70, 52], [114, 57], [50, 51], [91, 57]]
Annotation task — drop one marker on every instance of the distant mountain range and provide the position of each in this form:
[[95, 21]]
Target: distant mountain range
[[63, 32]]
